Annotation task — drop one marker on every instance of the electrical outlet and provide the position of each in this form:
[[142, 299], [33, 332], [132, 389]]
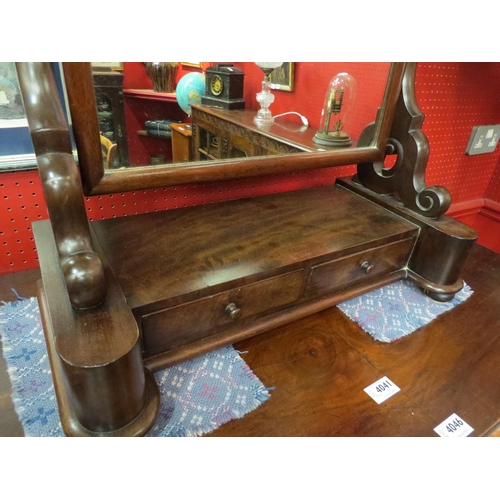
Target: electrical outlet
[[483, 139]]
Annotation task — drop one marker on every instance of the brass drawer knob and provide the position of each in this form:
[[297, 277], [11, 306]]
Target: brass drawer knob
[[367, 267], [233, 310]]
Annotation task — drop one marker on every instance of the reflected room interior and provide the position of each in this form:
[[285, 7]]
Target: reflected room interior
[[138, 118]]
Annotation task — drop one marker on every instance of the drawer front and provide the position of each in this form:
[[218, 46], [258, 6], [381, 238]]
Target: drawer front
[[180, 325], [342, 273]]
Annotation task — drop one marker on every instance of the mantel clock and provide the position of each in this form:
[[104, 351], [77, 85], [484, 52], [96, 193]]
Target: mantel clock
[[224, 87]]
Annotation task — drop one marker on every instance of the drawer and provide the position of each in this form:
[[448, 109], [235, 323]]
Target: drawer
[[180, 325], [347, 271]]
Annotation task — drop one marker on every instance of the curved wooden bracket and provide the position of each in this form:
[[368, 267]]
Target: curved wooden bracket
[[81, 266], [406, 179]]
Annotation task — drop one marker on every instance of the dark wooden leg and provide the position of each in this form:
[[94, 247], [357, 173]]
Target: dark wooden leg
[[120, 398], [439, 297], [95, 354]]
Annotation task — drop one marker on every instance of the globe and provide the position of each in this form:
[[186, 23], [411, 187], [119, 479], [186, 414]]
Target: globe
[[189, 90]]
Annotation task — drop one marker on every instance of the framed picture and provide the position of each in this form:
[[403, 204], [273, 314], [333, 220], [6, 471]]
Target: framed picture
[[282, 77], [16, 147], [115, 66], [193, 64]]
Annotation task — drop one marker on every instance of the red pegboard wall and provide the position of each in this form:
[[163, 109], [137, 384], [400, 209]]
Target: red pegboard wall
[[21, 203], [454, 98], [311, 81], [493, 192], [154, 200]]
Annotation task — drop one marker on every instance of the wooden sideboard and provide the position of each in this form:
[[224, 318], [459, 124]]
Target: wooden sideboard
[[220, 134]]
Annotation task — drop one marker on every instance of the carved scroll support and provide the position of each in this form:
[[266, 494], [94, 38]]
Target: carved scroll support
[[406, 178], [81, 266]]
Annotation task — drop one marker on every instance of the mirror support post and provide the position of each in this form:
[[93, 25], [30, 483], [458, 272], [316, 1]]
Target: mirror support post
[[410, 145], [443, 245], [91, 334], [81, 266]]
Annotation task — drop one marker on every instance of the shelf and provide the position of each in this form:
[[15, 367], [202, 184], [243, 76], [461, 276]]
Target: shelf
[[150, 95]]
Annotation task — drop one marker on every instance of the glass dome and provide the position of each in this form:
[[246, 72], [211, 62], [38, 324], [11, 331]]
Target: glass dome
[[336, 113]]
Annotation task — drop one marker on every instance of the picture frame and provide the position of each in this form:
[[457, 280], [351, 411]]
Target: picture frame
[[192, 64], [114, 66], [282, 78], [16, 147]]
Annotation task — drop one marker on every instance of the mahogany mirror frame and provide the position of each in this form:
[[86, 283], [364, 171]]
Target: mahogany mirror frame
[[96, 180]]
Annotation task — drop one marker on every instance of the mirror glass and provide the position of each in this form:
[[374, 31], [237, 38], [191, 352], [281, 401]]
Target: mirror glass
[[143, 123]]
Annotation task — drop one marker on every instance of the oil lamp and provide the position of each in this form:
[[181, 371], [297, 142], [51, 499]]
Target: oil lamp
[[265, 98]]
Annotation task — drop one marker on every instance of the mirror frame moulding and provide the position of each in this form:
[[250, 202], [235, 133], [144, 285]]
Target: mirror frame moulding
[[96, 180]]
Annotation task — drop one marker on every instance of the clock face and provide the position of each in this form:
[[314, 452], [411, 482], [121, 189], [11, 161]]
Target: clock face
[[216, 85]]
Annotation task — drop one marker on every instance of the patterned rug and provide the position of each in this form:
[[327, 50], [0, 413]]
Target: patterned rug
[[197, 396], [398, 309], [201, 394]]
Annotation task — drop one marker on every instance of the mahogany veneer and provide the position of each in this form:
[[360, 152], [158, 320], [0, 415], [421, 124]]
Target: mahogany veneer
[[261, 257], [188, 281], [122, 297]]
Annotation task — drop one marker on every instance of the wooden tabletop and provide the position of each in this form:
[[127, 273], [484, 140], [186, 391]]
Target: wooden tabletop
[[288, 129], [252, 236], [320, 365]]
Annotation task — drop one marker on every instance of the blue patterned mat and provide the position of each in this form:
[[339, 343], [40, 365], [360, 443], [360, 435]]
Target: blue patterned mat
[[397, 310], [197, 396]]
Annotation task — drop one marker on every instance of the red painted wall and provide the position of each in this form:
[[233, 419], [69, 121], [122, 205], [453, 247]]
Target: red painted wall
[[137, 111], [310, 83], [453, 96]]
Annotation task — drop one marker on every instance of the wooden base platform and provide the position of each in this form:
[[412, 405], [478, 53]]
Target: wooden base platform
[[185, 282], [320, 365]]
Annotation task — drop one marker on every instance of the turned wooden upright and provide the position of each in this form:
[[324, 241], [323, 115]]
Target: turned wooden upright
[[121, 298], [92, 338]]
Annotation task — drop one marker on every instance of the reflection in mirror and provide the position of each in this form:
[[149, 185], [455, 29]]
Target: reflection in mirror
[[153, 128]]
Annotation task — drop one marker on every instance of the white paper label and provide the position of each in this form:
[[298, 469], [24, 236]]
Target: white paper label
[[453, 426], [382, 389]]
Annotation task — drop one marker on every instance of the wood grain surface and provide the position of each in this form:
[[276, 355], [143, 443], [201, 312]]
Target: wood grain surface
[[320, 365], [206, 246]]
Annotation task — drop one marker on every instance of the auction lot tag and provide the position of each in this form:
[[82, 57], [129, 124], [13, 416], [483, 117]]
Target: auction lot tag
[[453, 426], [382, 389]]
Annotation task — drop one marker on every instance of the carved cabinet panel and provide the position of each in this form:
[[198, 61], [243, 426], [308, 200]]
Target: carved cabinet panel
[[109, 100], [231, 134]]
